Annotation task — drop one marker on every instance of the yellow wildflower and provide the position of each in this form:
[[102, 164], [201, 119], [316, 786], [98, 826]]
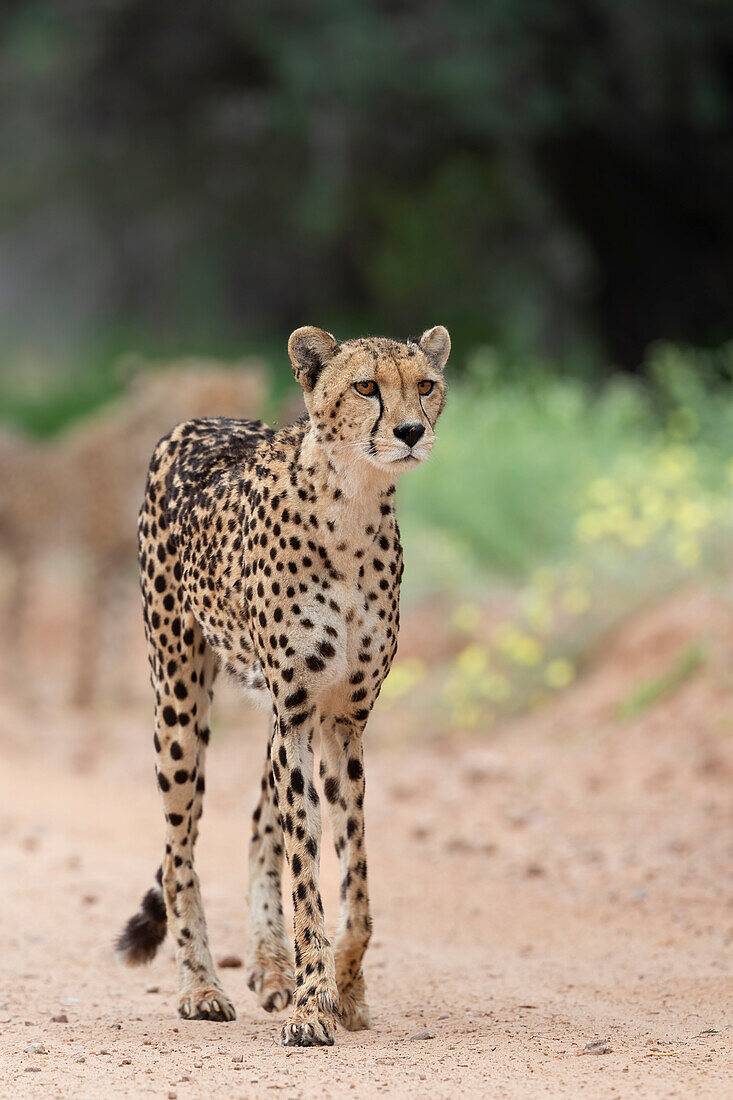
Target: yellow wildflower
[[559, 673]]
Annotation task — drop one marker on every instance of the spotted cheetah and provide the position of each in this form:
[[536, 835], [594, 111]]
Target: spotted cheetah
[[81, 492], [276, 556]]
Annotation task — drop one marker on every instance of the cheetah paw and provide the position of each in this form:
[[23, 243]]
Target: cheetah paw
[[353, 1011], [273, 985], [312, 1030], [209, 1003]]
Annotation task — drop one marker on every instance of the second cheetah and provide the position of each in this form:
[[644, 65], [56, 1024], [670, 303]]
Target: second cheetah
[[276, 556]]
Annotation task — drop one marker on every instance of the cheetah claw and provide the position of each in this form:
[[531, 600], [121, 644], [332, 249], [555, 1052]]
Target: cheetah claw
[[206, 1004], [273, 989], [315, 1032]]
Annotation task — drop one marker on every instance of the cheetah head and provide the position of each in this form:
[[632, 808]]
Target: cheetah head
[[372, 400]]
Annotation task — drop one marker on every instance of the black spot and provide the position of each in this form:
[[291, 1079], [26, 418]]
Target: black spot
[[180, 690], [331, 788], [169, 716], [354, 768], [296, 698], [296, 865], [296, 781]]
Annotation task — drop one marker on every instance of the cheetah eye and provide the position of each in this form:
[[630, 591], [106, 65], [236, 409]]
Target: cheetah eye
[[425, 387], [366, 389]]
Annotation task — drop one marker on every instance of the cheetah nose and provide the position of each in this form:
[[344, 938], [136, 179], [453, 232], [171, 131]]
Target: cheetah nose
[[410, 433]]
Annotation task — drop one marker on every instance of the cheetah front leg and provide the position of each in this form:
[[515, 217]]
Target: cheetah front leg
[[312, 1022], [342, 772], [269, 956], [181, 733]]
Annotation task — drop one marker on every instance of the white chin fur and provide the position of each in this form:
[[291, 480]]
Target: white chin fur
[[400, 460]]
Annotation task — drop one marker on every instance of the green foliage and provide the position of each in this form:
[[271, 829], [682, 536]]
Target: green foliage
[[651, 691], [510, 463], [519, 447], [509, 169]]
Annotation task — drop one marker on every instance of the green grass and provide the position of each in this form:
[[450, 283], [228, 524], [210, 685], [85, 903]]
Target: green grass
[[651, 691], [516, 451], [517, 445], [511, 460]]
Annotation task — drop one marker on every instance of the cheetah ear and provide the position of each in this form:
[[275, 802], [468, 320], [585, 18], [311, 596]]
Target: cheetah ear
[[309, 350], [435, 343]]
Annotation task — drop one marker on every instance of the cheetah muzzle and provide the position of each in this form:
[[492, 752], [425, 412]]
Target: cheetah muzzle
[[276, 556]]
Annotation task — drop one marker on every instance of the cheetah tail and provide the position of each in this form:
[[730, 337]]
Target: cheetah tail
[[143, 934]]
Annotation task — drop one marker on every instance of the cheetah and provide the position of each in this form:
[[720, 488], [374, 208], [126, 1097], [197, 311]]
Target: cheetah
[[275, 555], [80, 493]]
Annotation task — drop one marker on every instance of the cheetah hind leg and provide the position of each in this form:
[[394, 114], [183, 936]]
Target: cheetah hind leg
[[269, 957]]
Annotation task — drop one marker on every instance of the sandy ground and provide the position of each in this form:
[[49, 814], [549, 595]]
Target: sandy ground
[[563, 880]]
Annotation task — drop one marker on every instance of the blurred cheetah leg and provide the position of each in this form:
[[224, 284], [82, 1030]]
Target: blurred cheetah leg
[[17, 668], [269, 957], [92, 604]]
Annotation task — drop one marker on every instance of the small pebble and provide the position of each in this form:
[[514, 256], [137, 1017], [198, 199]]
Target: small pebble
[[152, 989], [126, 1062], [238, 1058], [104, 1051], [32, 1069], [62, 1018], [36, 1048], [424, 1034], [230, 962], [172, 1094], [598, 1046], [81, 1058]]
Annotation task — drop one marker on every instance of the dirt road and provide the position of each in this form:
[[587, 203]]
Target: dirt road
[[566, 880]]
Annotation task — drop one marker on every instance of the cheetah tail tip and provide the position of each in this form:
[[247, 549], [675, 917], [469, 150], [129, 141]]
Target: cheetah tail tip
[[144, 932]]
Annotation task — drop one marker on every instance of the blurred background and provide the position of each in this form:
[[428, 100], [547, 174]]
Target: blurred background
[[181, 185]]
